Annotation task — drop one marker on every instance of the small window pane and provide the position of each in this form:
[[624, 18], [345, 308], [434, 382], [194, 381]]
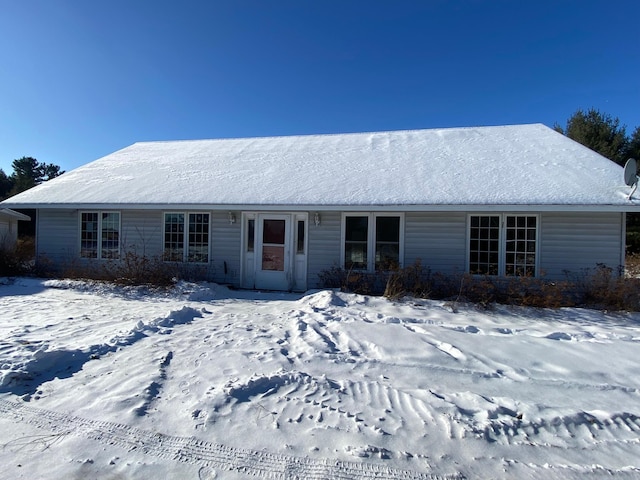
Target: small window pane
[[356, 240], [388, 229], [355, 255], [300, 237], [273, 232], [273, 258], [251, 231], [356, 229], [387, 243]]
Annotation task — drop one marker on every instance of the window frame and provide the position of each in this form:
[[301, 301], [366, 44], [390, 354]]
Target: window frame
[[371, 238], [185, 241], [502, 243], [99, 249]]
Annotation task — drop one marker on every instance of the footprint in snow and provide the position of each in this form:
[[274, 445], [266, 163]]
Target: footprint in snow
[[559, 336]]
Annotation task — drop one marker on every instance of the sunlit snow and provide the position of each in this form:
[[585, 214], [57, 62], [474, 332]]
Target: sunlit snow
[[98, 381], [504, 165]]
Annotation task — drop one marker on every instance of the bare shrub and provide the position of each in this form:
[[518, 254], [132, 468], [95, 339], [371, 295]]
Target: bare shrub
[[414, 279], [602, 287], [18, 259], [135, 269]]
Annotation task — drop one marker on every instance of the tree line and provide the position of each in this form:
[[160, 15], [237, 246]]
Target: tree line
[[27, 173], [602, 133]]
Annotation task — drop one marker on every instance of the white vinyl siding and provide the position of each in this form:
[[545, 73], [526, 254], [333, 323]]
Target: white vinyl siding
[[323, 246], [57, 235], [574, 243], [142, 232], [224, 265], [437, 240], [567, 243]]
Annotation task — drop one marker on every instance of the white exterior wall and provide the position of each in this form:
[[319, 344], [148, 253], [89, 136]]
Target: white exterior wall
[[225, 242], [141, 231], [575, 242], [324, 245], [567, 241], [437, 239], [57, 237]]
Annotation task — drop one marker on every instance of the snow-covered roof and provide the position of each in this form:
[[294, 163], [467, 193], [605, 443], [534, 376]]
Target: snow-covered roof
[[7, 213], [517, 166]]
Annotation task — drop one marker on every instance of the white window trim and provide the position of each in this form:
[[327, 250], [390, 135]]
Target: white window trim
[[371, 237], [502, 241], [99, 246], [185, 236]]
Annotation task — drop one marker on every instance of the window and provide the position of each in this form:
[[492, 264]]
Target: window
[[484, 245], [100, 235], [356, 242], [387, 243], [251, 233], [372, 241], [503, 244], [520, 248], [186, 237], [300, 237]]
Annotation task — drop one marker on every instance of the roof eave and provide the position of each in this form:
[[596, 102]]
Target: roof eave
[[337, 207], [16, 215]]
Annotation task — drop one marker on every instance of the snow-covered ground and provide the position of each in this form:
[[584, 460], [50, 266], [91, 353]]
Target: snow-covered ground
[[202, 382]]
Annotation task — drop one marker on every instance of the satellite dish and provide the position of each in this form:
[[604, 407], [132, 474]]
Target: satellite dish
[[631, 175], [630, 169]]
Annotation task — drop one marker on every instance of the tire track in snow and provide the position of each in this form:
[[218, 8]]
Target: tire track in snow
[[190, 450]]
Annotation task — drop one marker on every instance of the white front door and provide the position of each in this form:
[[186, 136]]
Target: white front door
[[273, 252]]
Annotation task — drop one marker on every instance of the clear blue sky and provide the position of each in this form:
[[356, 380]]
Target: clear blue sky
[[80, 79]]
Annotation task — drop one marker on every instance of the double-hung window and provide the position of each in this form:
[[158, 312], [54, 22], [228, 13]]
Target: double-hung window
[[100, 235], [503, 244], [372, 241], [186, 237]]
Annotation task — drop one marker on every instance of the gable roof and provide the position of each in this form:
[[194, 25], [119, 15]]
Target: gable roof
[[518, 166]]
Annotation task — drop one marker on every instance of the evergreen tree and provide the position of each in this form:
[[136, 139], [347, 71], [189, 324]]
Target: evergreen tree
[[598, 131], [633, 147], [28, 172], [5, 185]]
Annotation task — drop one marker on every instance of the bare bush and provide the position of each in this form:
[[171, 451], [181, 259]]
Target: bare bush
[[601, 287], [18, 259]]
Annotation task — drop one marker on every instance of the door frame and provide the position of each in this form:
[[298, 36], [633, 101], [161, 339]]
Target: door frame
[[295, 273]]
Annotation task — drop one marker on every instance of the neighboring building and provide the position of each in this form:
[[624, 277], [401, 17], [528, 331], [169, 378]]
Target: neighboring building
[[9, 227], [272, 213]]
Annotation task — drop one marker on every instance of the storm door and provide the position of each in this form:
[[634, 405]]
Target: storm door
[[273, 252]]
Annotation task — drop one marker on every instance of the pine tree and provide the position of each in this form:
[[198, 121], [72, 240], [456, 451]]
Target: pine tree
[[598, 131], [5, 185], [28, 172]]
